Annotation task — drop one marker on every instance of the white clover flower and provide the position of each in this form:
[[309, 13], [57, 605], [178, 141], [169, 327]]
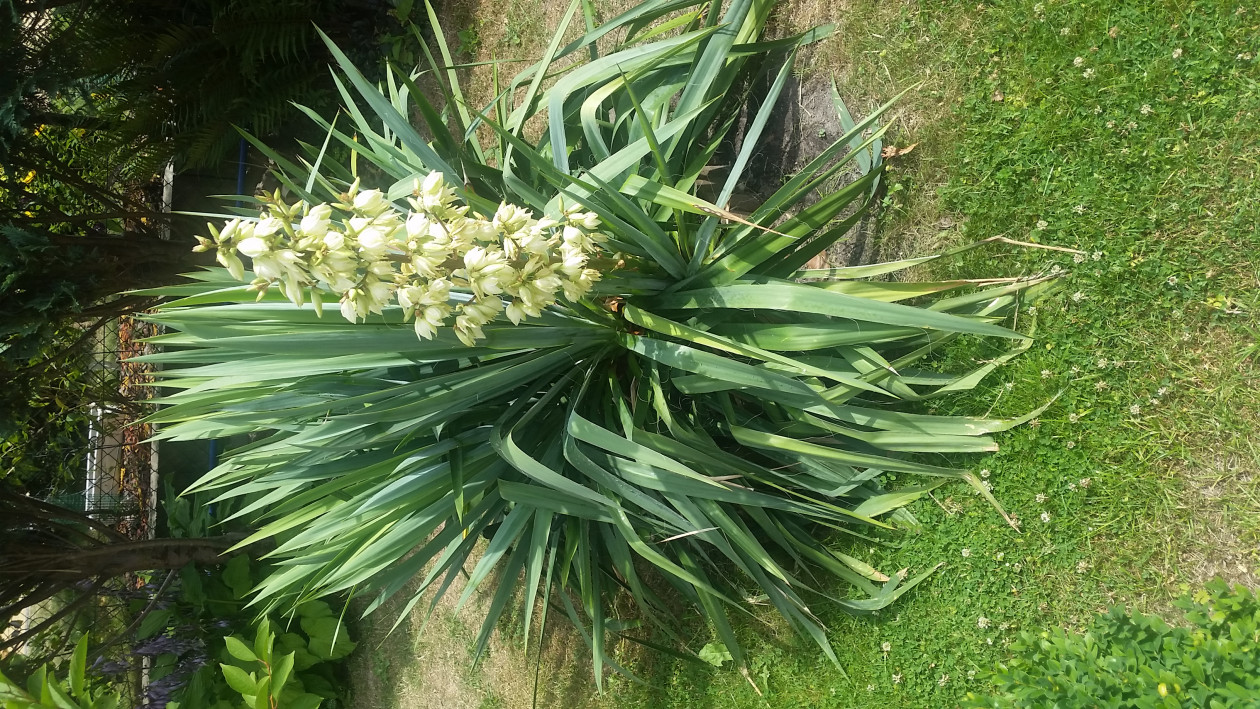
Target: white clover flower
[[886, 646], [896, 678], [982, 622], [1045, 516], [1041, 497], [1088, 73], [966, 553]]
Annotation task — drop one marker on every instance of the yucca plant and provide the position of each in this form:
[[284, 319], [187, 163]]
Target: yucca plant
[[710, 419]]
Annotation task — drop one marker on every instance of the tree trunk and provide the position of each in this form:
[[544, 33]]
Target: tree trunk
[[20, 558]]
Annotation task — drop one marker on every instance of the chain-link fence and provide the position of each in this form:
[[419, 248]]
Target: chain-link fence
[[118, 477], [113, 482]]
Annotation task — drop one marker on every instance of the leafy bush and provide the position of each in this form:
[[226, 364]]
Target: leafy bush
[[210, 650], [45, 689], [706, 417], [196, 644], [1136, 660]]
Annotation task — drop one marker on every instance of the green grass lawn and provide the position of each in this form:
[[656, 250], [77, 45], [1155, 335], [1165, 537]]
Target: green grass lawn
[[1129, 132]]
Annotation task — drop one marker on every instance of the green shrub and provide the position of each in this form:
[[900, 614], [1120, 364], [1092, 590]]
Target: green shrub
[[45, 689], [1136, 660], [705, 420]]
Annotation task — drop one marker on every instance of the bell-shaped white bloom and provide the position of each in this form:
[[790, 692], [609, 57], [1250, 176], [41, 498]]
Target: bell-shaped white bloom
[[228, 258], [338, 270], [573, 260], [510, 218], [410, 296], [434, 195], [373, 242], [438, 292], [312, 225], [534, 241], [377, 293], [353, 306], [322, 212], [334, 240], [485, 270], [588, 220], [253, 247], [577, 287], [417, 227], [268, 226], [228, 233], [428, 266], [291, 286], [467, 332], [370, 202], [236, 231], [515, 312], [279, 264], [430, 318]]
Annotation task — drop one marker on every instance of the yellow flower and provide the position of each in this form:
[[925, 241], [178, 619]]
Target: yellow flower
[[29, 176]]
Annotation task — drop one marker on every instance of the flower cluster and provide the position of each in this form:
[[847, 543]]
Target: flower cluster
[[437, 261]]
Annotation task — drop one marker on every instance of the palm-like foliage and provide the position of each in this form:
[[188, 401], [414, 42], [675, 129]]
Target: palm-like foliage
[[706, 419]]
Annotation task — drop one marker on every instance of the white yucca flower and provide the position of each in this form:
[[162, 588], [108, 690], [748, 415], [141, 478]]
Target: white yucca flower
[[370, 254]]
